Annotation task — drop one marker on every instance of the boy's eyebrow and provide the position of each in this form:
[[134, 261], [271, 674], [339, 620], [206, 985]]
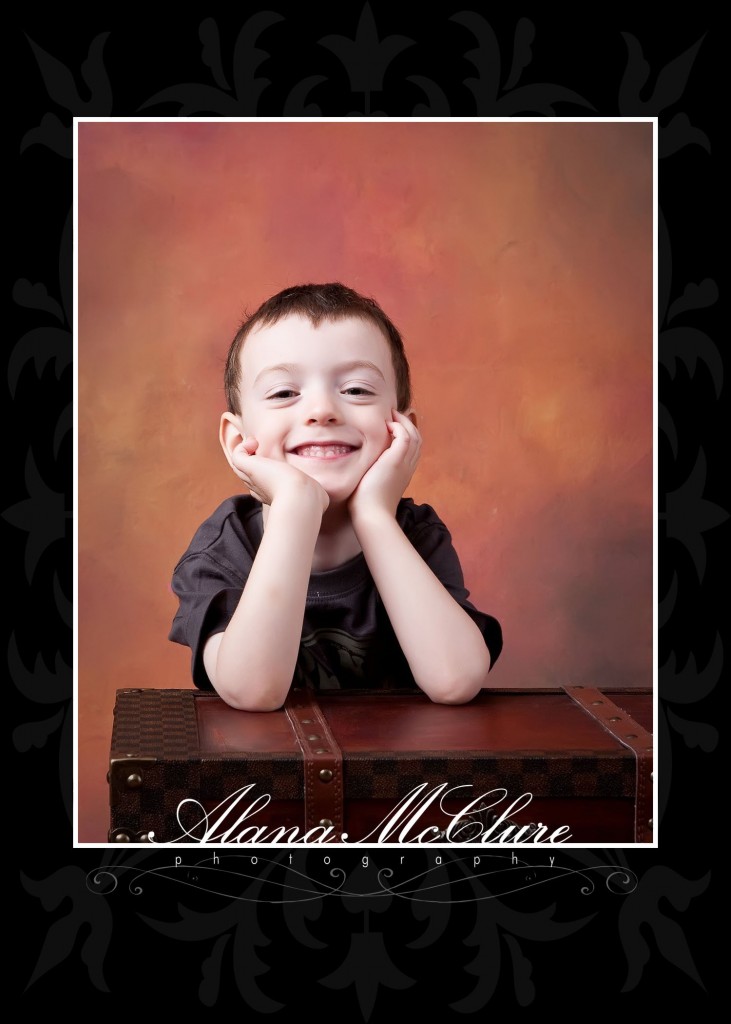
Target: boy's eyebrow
[[359, 364], [286, 368], [292, 369]]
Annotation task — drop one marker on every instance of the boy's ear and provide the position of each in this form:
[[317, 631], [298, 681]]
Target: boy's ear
[[230, 434], [411, 414]]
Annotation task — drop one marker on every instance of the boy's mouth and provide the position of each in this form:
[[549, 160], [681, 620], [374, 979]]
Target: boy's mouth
[[323, 451]]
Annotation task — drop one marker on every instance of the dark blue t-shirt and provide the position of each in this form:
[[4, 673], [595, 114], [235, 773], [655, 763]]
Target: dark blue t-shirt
[[347, 638]]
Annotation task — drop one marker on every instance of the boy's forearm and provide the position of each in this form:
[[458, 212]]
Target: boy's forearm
[[443, 646], [257, 654]]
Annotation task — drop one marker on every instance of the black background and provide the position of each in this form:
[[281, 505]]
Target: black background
[[177, 947]]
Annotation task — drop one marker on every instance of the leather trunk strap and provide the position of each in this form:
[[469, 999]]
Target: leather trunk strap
[[323, 761], [630, 734]]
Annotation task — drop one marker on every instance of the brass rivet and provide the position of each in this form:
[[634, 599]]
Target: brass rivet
[[325, 775], [322, 750], [325, 822], [648, 748], [597, 702], [122, 837], [615, 719], [314, 736], [631, 736], [307, 721], [134, 781], [145, 837], [650, 823]]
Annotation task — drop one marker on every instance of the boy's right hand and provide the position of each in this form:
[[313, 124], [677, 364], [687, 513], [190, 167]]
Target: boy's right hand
[[271, 479]]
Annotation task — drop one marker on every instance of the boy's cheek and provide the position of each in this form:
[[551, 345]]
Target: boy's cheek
[[384, 445], [270, 449]]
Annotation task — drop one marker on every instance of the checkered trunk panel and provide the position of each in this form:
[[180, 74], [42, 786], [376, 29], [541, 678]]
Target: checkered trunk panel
[[155, 723]]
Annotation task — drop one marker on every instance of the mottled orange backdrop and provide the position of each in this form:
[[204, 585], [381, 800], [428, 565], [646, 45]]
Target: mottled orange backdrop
[[516, 258]]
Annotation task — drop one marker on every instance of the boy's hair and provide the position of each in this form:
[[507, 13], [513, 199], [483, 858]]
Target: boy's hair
[[318, 302]]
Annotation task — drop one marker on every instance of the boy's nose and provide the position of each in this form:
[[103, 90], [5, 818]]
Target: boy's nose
[[321, 410], [322, 416]]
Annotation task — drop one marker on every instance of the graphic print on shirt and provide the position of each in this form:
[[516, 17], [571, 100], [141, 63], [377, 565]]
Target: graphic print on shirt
[[331, 659]]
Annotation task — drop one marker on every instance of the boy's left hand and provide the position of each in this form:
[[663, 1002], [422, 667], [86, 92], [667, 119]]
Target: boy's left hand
[[383, 485]]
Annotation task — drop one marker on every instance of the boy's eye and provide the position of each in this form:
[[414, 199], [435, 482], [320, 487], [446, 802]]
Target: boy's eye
[[282, 393], [357, 391]]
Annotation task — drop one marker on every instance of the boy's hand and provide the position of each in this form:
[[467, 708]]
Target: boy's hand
[[272, 479], [383, 486]]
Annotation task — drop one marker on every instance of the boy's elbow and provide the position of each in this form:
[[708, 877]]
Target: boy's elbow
[[457, 678], [457, 694], [248, 704], [256, 706], [265, 699], [262, 688], [458, 688]]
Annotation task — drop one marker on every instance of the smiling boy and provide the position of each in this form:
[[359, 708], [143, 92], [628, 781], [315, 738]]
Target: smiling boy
[[326, 575]]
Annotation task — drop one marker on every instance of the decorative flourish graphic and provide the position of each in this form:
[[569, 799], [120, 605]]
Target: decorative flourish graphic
[[209, 876], [41, 516], [242, 884], [85, 917], [297, 103], [366, 57], [432, 885], [669, 87], [368, 967], [689, 514], [196, 98], [509, 99], [63, 90], [643, 916]]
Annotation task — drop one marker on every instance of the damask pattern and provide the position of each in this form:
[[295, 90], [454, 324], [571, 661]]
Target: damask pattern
[[365, 948]]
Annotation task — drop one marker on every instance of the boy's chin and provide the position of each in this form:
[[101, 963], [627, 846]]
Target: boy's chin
[[339, 498], [338, 492]]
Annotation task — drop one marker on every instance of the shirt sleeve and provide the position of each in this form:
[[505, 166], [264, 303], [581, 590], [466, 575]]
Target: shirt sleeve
[[206, 607], [433, 541], [208, 582]]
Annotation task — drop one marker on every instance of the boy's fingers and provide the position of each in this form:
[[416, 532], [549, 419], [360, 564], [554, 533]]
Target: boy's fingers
[[405, 430], [407, 425], [411, 437], [399, 434], [407, 452]]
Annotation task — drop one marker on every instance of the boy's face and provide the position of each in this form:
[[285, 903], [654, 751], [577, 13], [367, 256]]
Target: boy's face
[[319, 397]]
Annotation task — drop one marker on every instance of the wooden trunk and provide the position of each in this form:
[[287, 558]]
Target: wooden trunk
[[386, 767]]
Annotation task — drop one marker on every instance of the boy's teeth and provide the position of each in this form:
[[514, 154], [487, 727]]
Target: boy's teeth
[[323, 451]]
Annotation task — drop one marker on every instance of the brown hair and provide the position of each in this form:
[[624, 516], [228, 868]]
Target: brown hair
[[318, 302]]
